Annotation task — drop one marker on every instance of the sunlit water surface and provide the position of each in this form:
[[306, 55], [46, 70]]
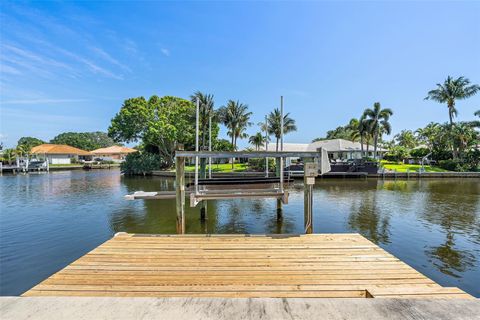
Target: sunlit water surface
[[49, 220]]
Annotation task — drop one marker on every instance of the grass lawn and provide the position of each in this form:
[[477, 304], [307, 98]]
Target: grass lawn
[[223, 167], [401, 167], [66, 165]]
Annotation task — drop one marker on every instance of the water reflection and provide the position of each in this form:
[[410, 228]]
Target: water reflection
[[450, 260], [49, 220], [366, 218], [455, 212]]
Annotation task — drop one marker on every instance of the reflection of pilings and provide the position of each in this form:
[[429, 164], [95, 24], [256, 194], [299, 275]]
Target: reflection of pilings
[[278, 163], [279, 209], [203, 210]]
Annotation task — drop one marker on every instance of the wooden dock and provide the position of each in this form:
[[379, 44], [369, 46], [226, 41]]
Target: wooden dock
[[246, 266]]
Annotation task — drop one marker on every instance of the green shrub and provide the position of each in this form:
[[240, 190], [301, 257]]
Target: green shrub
[[419, 152], [258, 164], [142, 163], [469, 162], [107, 162], [396, 153]]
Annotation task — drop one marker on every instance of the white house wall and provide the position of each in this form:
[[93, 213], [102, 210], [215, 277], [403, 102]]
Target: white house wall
[[60, 158]]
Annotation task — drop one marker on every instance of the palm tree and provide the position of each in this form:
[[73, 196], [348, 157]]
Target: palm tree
[[477, 113], [22, 150], [206, 111], [429, 134], [464, 136], [235, 117], [257, 140], [274, 120], [358, 129], [406, 139], [376, 120], [9, 155], [452, 90], [353, 127]]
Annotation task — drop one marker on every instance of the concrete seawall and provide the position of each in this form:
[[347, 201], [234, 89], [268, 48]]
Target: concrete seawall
[[386, 175], [409, 175]]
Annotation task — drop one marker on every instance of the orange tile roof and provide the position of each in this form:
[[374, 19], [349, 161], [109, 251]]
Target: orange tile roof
[[113, 150], [48, 148]]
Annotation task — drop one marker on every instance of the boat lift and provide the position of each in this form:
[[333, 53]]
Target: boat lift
[[315, 162]]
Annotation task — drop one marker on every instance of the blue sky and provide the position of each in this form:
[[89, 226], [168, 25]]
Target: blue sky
[[68, 66]]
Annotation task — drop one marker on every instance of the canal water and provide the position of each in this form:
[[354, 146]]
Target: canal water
[[49, 220]]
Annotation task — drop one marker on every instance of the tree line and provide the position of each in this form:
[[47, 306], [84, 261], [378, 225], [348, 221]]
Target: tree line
[[161, 124], [454, 144], [83, 140]]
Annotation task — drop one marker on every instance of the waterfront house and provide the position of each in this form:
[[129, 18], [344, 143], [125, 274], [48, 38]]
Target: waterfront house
[[112, 153], [60, 153], [337, 149]]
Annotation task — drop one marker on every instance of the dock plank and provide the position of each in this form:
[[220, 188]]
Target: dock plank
[[241, 266]]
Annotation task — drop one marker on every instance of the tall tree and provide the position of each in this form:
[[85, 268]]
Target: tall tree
[[465, 137], [162, 122], [477, 113], [206, 110], [236, 117], [359, 131], [9, 155], [429, 134], [275, 125], [407, 139], [257, 140], [376, 119], [452, 90], [27, 143], [84, 140]]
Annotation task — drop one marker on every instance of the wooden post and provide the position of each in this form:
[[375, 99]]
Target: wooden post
[[180, 193], [203, 175], [307, 201], [279, 201]]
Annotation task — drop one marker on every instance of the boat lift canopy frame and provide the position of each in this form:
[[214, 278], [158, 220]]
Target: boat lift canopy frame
[[197, 196]]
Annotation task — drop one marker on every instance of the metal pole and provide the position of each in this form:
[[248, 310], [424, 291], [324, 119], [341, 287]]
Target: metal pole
[[307, 200], [180, 192], [281, 143], [266, 146], [281, 123], [210, 147], [196, 144]]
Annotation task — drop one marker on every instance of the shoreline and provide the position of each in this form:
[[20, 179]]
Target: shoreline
[[330, 175]]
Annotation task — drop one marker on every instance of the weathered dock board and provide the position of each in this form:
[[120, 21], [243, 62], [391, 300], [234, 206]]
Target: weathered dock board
[[314, 265]]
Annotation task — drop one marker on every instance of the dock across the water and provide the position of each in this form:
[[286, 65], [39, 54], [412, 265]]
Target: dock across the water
[[241, 266]]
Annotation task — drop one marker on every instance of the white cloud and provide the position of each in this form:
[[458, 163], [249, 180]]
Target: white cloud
[[92, 66], [107, 57], [8, 69], [165, 52]]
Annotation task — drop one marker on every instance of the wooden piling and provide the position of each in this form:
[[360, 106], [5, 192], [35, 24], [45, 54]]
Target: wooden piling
[[279, 201], [180, 193], [203, 175], [307, 201]]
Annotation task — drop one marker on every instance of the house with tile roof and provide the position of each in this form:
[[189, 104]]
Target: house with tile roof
[[113, 152], [60, 153]]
